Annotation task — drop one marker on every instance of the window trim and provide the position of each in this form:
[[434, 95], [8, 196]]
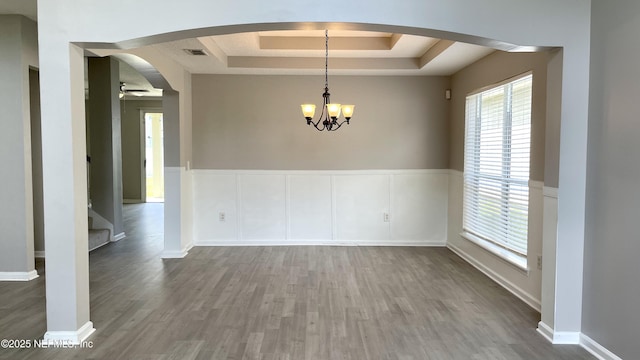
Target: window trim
[[512, 257]]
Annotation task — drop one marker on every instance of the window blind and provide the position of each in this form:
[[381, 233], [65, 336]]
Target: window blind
[[496, 164]]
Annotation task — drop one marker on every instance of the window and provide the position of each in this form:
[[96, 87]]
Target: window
[[496, 167]]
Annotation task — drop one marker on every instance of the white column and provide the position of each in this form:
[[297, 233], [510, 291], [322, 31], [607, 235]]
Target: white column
[[563, 243], [65, 191], [173, 177]]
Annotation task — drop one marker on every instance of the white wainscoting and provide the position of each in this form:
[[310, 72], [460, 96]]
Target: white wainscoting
[[320, 207]]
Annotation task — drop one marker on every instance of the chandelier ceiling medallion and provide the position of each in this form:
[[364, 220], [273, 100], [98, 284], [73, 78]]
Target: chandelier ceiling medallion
[[330, 113]]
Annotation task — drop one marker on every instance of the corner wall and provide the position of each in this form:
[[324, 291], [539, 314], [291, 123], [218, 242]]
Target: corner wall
[[611, 311], [492, 69]]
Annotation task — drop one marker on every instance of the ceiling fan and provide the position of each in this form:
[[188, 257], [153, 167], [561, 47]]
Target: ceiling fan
[[135, 92]]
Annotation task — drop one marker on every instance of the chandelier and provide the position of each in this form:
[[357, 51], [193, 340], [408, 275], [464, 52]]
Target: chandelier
[[328, 120]]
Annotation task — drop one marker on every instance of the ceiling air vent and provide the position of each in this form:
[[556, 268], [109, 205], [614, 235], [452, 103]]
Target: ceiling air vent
[[196, 52]]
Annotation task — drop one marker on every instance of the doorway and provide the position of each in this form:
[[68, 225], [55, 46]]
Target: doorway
[[153, 157]]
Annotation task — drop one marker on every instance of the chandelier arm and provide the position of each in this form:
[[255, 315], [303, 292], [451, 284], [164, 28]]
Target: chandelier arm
[[322, 116], [338, 125]]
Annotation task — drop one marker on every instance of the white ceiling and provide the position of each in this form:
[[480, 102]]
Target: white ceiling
[[302, 53]]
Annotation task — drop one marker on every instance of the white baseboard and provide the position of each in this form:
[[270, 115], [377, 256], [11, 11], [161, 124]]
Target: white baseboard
[[546, 331], [512, 288], [596, 349], [39, 254], [174, 254], [316, 242], [558, 337], [99, 246], [119, 237], [70, 337], [18, 275]]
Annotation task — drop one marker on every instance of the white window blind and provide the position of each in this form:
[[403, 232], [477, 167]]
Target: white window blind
[[496, 164]]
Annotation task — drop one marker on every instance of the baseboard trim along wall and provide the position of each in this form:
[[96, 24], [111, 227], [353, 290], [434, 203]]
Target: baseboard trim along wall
[[558, 337], [293, 242], [294, 207], [176, 254], [596, 349], [18, 275], [119, 237], [576, 338], [70, 337], [499, 279], [132, 201]]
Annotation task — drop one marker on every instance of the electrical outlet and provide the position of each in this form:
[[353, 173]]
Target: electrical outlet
[[221, 216], [539, 262], [385, 217]]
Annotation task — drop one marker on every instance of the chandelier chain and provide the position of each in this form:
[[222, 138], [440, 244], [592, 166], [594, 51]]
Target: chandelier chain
[[326, 58]]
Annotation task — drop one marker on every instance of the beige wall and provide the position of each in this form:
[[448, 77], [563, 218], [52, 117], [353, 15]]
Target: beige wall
[[131, 147], [255, 122], [492, 69]]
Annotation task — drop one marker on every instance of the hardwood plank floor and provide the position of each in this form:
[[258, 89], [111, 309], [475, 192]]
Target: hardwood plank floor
[[290, 303]]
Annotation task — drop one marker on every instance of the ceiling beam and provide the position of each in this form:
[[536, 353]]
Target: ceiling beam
[[318, 43], [268, 62], [394, 39], [434, 51], [213, 49]]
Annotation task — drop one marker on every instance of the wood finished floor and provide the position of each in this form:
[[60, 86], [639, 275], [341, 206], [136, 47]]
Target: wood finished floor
[[284, 303]]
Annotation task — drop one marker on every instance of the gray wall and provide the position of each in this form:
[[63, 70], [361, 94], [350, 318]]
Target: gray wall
[[18, 51], [131, 125], [255, 122], [36, 160], [611, 311], [492, 69], [105, 134]]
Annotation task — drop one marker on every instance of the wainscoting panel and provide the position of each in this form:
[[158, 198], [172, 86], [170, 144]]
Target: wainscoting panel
[[361, 202], [419, 207], [262, 200], [320, 207], [309, 207], [215, 194]]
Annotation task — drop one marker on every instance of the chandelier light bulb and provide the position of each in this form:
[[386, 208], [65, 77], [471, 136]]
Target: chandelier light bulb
[[308, 110], [347, 111], [334, 110]]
